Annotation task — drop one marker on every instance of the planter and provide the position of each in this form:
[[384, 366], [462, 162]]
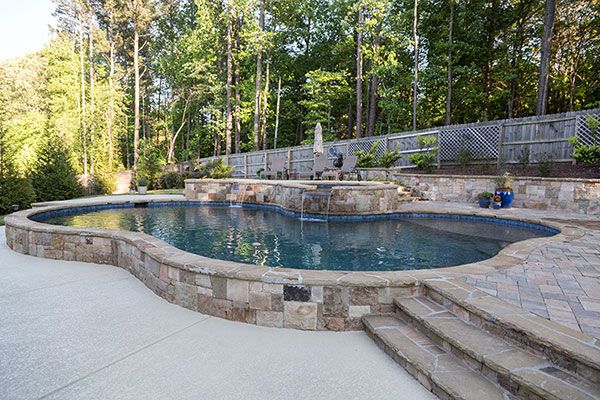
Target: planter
[[507, 198], [485, 202], [142, 189], [496, 205]]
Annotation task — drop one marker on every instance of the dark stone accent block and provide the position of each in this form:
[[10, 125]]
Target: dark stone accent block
[[296, 293]]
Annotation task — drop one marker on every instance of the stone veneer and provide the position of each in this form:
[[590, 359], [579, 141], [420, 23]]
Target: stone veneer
[[275, 297], [571, 195], [346, 197]]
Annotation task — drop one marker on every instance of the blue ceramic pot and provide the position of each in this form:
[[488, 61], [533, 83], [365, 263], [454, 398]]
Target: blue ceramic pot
[[507, 198], [485, 202]]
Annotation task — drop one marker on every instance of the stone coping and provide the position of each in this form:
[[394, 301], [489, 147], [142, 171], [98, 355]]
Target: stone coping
[[513, 254], [398, 173]]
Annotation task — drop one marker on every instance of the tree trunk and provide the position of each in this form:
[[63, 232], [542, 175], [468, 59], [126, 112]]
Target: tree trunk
[[111, 98], [92, 94], [416, 77], [265, 108], [136, 97], [238, 126], [228, 116], [257, 94], [373, 88], [449, 66], [277, 114], [546, 51], [359, 68], [83, 110]]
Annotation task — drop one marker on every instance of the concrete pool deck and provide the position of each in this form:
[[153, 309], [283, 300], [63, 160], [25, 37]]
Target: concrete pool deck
[[73, 330]]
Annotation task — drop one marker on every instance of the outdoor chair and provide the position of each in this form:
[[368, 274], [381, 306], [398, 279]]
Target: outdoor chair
[[277, 166], [317, 169], [348, 167]]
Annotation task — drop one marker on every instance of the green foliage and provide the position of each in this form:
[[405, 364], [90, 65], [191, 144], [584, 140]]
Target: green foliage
[[171, 180], [368, 159], [388, 159], [589, 155], [15, 190], [142, 181], [504, 181], [54, 177], [524, 156], [485, 195], [426, 159], [150, 162], [323, 89], [464, 157], [545, 164], [215, 169]]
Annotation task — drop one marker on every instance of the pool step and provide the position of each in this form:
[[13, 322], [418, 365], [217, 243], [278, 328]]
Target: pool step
[[569, 349], [470, 329], [446, 375], [521, 372]]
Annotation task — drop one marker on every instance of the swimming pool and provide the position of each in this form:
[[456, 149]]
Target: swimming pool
[[266, 236]]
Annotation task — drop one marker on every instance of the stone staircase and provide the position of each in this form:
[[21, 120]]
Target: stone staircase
[[462, 343]]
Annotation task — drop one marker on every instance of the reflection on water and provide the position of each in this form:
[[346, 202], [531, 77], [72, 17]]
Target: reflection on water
[[268, 238]]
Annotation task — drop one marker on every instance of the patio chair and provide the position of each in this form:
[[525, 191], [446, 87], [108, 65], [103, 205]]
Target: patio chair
[[348, 167], [317, 169], [277, 166]]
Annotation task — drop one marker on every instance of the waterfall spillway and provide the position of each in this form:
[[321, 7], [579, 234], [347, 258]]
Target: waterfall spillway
[[238, 199], [321, 215]]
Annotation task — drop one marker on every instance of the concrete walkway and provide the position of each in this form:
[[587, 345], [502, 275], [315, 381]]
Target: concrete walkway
[[72, 330]]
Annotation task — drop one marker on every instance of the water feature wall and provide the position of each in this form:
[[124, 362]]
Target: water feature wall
[[342, 198]]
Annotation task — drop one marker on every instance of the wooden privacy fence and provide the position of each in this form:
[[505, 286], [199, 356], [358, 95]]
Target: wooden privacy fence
[[502, 141]]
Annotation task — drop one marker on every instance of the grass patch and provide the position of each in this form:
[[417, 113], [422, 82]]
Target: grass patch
[[1, 220], [166, 191]]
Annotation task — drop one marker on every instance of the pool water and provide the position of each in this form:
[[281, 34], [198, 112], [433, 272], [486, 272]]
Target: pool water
[[267, 237]]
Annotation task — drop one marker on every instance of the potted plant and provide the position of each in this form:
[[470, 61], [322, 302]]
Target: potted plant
[[485, 199], [504, 189], [497, 204], [142, 185]]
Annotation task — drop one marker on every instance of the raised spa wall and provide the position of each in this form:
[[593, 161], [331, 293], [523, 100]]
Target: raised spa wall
[[360, 198]]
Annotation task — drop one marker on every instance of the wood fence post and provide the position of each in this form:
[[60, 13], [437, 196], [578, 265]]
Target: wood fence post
[[289, 158], [439, 151], [500, 146], [245, 165]]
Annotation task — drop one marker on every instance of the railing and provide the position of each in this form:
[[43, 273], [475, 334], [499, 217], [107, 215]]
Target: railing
[[503, 141]]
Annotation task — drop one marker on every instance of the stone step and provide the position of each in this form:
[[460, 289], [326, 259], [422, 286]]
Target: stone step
[[522, 373], [434, 367], [569, 349]]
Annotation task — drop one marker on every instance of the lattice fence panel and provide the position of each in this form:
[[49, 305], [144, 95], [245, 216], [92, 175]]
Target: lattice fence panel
[[481, 142], [366, 145], [584, 132]]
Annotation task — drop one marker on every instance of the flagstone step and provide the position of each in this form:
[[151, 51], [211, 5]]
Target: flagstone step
[[523, 374], [446, 375], [569, 349]]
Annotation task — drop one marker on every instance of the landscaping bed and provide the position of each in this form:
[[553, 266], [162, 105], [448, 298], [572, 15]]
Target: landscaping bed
[[553, 170]]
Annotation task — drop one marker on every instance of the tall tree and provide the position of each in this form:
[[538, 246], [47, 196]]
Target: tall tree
[[257, 93], [545, 55], [416, 65], [359, 69], [228, 113]]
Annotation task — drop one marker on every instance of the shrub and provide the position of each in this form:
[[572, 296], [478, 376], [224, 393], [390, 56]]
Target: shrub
[[15, 190], [141, 181], [464, 157], [388, 159], [103, 183], [215, 169], [545, 164], [367, 159], [427, 157], [485, 195], [524, 156], [54, 177], [171, 180], [149, 162]]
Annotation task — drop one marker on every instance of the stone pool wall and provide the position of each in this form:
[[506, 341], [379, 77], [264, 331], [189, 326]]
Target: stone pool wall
[[365, 198], [572, 195], [274, 297]]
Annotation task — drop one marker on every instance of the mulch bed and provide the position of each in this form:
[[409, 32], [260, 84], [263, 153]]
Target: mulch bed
[[557, 170]]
